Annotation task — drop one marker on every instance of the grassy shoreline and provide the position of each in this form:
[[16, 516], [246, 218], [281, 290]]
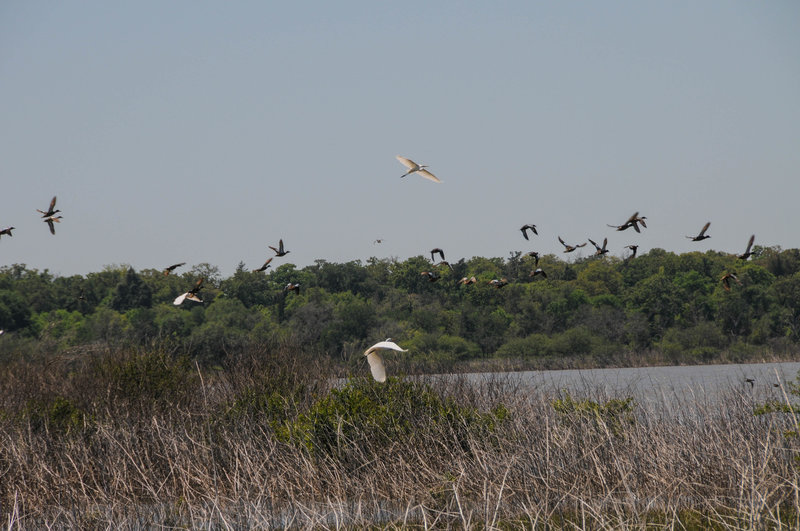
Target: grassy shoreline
[[136, 438]]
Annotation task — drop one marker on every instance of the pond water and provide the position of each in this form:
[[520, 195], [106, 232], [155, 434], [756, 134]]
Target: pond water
[[673, 387]]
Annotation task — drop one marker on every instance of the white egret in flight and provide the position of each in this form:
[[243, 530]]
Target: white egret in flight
[[375, 359], [413, 167]]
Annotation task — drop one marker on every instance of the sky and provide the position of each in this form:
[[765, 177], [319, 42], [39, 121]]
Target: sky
[[203, 132]]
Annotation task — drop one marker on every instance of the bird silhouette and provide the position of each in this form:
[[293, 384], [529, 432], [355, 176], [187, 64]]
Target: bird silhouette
[[50, 210], [633, 249], [747, 254], [292, 287], [526, 228], [280, 250], [570, 248], [50, 220], [535, 256], [413, 167], [436, 251], [498, 283], [634, 221], [538, 272], [445, 263], [265, 266], [702, 235], [173, 267], [600, 250], [379, 240], [432, 275], [6, 230], [191, 294], [376, 364], [726, 280]]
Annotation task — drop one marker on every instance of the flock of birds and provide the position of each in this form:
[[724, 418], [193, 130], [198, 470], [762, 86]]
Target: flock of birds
[[373, 354]]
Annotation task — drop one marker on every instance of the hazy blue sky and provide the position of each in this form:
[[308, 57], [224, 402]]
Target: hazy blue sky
[[205, 131]]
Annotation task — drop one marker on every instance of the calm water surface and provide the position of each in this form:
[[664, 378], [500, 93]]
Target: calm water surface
[[672, 388]]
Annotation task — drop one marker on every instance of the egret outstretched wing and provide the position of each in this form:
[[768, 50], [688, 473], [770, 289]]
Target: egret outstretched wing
[[179, 299], [376, 360], [428, 175]]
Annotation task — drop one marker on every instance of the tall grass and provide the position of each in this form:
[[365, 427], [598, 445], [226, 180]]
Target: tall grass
[[117, 438]]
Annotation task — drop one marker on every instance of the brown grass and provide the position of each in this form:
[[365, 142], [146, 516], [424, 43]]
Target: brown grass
[[83, 447]]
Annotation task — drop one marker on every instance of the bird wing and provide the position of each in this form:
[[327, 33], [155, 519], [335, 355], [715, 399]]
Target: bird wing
[[428, 175], [581, 245], [632, 218], [385, 345], [705, 228], [52, 203], [179, 299], [267, 262], [50, 224], [193, 297], [524, 232], [376, 366], [605, 242], [750, 243], [280, 245], [595, 245], [408, 163], [562, 241]]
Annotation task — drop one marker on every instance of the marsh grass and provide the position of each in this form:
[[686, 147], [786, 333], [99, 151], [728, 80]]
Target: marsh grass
[[129, 439]]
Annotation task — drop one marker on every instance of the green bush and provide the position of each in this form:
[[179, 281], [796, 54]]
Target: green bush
[[614, 414], [365, 411]]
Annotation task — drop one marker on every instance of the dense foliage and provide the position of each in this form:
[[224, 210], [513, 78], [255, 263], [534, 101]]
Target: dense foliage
[[597, 310]]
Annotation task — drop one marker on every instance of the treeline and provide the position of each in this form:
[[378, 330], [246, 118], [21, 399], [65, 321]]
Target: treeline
[[659, 306]]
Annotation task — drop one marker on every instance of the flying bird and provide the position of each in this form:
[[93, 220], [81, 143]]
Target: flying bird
[[375, 359], [726, 280], [50, 220], [538, 272], [292, 287], [744, 256], [570, 248], [444, 263], [173, 267], [413, 167], [498, 283], [634, 221], [526, 228], [379, 240], [191, 294], [702, 235], [467, 281], [535, 256], [432, 276], [633, 249], [6, 230], [50, 209], [279, 251], [600, 250], [435, 252], [265, 266]]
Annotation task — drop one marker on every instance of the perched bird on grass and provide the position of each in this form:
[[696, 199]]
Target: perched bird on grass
[[375, 359]]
